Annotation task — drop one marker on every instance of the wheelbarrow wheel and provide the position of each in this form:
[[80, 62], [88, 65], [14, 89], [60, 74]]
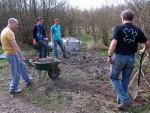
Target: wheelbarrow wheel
[[53, 73]]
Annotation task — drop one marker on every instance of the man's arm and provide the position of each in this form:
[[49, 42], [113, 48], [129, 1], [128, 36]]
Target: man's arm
[[44, 33], [34, 35], [17, 49], [51, 34], [62, 32], [111, 49]]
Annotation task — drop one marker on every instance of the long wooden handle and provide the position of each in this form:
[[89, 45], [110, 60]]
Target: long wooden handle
[[140, 66]]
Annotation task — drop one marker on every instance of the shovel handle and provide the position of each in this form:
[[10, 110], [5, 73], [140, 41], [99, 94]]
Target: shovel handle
[[140, 66]]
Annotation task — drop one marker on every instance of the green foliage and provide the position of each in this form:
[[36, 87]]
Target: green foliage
[[3, 63], [144, 109], [51, 102], [102, 53], [106, 40], [2, 88], [1, 51], [86, 38], [29, 52]]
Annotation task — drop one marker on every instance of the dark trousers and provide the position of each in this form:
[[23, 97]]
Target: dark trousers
[[43, 48]]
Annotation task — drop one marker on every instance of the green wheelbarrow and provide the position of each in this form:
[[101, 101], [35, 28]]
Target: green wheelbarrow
[[49, 67]]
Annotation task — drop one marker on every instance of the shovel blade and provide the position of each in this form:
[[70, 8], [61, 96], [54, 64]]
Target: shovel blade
[[136, 92]]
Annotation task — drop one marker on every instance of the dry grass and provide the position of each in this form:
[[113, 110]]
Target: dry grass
[[96, 46]]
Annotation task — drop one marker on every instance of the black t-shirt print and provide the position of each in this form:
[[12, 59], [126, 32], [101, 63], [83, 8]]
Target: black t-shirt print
[[128, 36]]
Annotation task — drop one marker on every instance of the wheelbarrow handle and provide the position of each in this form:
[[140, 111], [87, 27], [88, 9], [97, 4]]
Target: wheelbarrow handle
[[27, 61]]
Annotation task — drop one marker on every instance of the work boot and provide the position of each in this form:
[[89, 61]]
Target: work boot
[[29, 84], [65, 56], [16, 91], [125, 105], [118, 100]]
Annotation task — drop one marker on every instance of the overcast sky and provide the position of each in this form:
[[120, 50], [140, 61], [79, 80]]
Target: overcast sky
[[88, 4]]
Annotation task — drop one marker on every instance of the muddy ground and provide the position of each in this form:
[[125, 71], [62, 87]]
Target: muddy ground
[[82, 87]]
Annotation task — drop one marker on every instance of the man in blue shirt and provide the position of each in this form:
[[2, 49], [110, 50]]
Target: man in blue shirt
[[39, 37], [57, 38], [125, 39]]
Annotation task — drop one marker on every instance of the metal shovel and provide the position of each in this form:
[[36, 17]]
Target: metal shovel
[[137, 90]]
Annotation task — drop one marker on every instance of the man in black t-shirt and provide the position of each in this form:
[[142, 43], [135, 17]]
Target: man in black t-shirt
[[125, 39]]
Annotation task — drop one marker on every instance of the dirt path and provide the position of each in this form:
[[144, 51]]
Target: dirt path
[[83, 87]]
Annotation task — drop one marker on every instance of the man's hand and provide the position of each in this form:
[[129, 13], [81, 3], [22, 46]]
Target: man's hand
[[109, 59], [22, 58], [34, 42], [146, 46], [142, 51], [46, 39]]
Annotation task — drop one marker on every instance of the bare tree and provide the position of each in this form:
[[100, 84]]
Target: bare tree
[[95, 22]]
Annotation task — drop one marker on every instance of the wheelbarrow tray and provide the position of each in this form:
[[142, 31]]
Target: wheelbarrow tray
[[43, 66], [51, 68]]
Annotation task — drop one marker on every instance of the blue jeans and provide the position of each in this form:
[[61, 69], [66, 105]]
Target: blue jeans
[[17, 68], [43, 48], [121, 64], [60, 43]]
